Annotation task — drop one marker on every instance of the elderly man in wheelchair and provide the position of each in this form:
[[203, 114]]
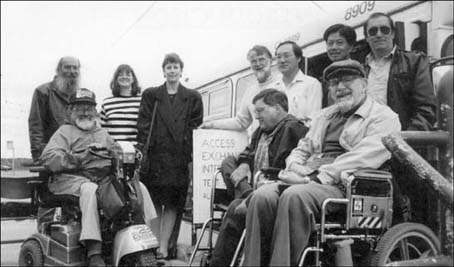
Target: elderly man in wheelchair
[[343, 138], [80, 155]]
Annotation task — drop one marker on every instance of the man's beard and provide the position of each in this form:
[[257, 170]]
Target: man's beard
[[85, 124], [65, 84], [346, 105], [262, 75]]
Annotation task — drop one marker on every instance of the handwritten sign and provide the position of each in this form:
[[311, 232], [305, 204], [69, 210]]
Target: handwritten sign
[[210, 148]]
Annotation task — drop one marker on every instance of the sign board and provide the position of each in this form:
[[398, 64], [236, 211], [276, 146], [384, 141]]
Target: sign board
[[210, 148]]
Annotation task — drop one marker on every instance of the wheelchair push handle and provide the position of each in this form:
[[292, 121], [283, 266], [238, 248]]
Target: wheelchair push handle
[[37, 169]]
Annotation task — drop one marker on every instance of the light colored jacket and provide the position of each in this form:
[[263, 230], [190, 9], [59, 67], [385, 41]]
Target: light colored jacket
[[360, 137], [70, 167]]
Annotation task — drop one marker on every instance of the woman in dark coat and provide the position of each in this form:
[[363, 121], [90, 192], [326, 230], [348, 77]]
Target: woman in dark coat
[[179, 111]]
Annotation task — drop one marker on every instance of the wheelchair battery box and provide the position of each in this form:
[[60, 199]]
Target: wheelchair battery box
[[66, 234], [371, 202]]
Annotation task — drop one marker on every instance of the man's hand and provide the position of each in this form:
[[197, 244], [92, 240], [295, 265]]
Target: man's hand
[[96, 146], [207, 125], [293, 178], [240, 173], [299, 169]]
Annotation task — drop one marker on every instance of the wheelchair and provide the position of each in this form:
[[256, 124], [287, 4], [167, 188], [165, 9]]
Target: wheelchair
[[219, 204], [361, 232]]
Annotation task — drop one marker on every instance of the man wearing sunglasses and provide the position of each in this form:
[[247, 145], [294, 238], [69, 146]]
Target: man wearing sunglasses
[[398, 78]]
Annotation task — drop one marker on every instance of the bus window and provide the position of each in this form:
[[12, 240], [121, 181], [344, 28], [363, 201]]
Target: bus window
[[218, 100], [205, 99], [447, 48], [241, 86]]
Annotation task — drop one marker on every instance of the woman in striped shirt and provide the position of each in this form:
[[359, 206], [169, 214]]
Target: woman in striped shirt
[[119, 112]]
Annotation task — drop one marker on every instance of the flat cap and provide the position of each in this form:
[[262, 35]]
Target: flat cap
[[343, 67]]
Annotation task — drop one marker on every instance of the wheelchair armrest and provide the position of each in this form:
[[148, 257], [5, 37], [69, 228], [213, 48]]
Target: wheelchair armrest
[[372, 173]]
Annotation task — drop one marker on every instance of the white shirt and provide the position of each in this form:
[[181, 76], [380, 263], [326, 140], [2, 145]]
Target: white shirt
[[304, 95], [377, 80]]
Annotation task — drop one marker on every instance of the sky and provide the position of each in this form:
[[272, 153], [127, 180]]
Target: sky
[[212, 38]]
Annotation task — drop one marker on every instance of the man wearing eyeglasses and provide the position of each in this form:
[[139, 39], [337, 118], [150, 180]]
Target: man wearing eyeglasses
[[344, 136], [398, 78]]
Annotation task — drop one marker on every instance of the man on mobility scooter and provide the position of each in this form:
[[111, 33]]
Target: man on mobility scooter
[[79, 155], [345, 136]]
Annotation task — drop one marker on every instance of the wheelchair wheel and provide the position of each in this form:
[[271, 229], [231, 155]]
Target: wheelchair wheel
[[405, 241], [31, 254]]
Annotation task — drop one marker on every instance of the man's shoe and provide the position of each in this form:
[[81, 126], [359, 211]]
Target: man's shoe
[[96, 261]]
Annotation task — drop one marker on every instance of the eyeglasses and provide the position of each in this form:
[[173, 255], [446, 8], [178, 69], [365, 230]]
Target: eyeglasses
[[346, 80], [284, 56], [374, 30]]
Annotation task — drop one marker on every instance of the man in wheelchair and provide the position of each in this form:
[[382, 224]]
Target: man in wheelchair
[[271, 143], [77, 170], [345, 136]]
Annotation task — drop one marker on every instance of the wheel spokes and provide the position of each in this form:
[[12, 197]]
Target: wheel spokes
[[403, 247]]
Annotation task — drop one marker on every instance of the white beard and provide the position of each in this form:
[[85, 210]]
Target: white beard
[[261, 76], [345, 105], [85, 124]]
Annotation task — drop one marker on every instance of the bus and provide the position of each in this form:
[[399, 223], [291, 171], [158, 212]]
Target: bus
[[423, 25]]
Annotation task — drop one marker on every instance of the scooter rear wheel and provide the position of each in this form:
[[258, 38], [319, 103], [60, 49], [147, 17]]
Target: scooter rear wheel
[[31, 254]]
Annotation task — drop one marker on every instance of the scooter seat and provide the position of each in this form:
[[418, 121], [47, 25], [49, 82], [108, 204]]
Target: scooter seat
[[52, 201]]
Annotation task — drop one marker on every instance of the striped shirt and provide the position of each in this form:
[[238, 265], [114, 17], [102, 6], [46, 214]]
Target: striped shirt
[[119, 117]]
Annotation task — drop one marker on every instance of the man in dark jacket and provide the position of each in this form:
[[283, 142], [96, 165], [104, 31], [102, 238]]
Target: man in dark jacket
[[398, 78], [271, 143], [50, 104]]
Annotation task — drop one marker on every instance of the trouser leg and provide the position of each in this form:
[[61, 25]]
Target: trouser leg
[[260, 218], [89, 208], [299, 206], [229, 235]]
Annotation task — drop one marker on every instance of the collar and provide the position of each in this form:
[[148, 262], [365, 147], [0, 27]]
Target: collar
[[370, 57], [299, 77], [363, 111]]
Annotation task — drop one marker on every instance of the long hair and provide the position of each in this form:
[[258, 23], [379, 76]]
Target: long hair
[[115, 87]]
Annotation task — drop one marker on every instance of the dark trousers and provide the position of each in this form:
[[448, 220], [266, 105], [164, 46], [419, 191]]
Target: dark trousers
[[230, 233], [233, 222]]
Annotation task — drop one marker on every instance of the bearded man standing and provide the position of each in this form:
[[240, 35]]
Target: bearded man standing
[[50, 103]]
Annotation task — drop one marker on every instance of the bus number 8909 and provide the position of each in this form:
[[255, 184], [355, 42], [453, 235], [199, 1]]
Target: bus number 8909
[[359, 9]]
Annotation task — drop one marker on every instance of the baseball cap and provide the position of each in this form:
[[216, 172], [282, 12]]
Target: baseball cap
[[342, 68], [82, 95]]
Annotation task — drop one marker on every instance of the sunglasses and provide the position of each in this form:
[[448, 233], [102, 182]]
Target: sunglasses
[[374, 30]]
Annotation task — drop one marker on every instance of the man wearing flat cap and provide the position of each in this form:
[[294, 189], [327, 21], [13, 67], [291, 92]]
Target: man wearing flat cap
[[77, 171], [343, 137]]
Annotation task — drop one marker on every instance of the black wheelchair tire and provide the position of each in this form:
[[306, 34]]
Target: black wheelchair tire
[[418, 240], [31, 254]]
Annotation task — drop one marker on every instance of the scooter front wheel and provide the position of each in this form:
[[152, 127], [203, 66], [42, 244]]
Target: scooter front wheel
[[143, 258]]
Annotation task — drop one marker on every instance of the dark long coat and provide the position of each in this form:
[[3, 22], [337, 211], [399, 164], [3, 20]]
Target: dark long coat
[[170, 148]]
